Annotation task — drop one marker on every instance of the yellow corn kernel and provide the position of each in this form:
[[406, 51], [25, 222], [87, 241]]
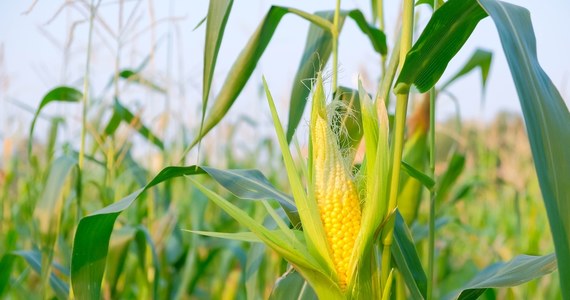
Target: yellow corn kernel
[[336, 196]]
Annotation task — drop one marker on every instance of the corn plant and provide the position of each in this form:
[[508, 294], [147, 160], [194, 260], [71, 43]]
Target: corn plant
[[352, 228]]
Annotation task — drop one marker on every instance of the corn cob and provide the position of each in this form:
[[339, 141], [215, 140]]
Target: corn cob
[[336, 196]]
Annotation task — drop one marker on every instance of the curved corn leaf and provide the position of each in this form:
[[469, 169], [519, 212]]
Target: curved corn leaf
[[317, 51], [446, 32], [34, 259], [136, 77], [407, 260], [123, 114], [245, 64], [58, 94], [91, 243], [252, 185], [519, 270], [217, 18], [480, 59], [292, 286], [375, 36], [547, 122], [318, 48], [449, 178]]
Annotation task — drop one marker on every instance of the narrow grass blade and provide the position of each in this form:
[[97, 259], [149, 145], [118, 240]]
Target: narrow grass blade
[[517, 271], [58, 94], [547, 122], [446, 32]]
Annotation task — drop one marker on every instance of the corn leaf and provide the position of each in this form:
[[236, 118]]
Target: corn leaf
[[123, 114], [34, 259], [446, 32], [517, 271], [547, 122], [317, 52], [480, 59], [292, 286], [407, 259], [217, 18], [49, 210], [142, 239], [252, 185], [58, 94], [91, 242], [315, 56], [245, 64]]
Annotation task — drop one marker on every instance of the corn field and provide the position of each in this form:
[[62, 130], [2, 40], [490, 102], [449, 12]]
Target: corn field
[[126, 187]]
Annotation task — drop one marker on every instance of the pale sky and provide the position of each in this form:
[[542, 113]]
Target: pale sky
[[32, 56]]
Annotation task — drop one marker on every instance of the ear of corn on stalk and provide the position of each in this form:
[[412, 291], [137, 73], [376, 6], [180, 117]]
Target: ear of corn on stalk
[[335, 193]]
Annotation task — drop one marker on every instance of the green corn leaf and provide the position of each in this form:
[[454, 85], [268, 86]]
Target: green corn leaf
[[407, 260], [546, 115], [318, 48], [49, 210], [92, 237], [292, 250], [422, 177], [249, 237], [245, 64], [123, 114], [58, 94], [134, 76], [547, 122], [34, 260], [446, 32], [91, 242], [376, 37], [217, 18], [517, 271], [317, 51], [143, 238], [252, 185], [480, 59], [449, 178], [292, 286]]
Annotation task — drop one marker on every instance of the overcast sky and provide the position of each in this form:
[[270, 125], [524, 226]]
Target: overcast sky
[[33, 60]]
